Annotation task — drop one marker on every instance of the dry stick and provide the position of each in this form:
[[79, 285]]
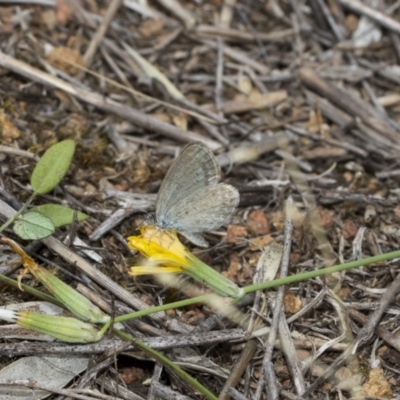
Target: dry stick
[[328, 255], [336, 143], [165, 392], [261, 102], [101, 363], [273, 262], [98, 37], [389, 337], [213, 131], [253, 151], [348, 103], [364, 334], [236, 395], [384, 72], [268, 376], [380, 109], [289, 350], [337, 31], [372, 140], [166, 40], [368, 329], [317, 15], [118, 72], [110, 385], [372, 13], [237, 371], [236, 55], [130, 114], [219, 76], [346, 336], [225, 19], [115, 219], [155, 379], [189, 105], [394, 37], [158, 343], [84, 18], [210, 31], [175, 8], [181, 102], [18, 152], [354, 61]]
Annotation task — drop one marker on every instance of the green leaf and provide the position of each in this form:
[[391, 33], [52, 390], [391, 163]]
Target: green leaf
[[60, 215], [52, 167], [33, 226]]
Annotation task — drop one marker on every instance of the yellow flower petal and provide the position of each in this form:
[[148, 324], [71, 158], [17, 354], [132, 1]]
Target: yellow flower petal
[[136, 271], [158, 244], [166, 254]]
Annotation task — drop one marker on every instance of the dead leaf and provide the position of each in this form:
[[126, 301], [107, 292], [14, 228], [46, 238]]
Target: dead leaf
[[153, 72], [65, 12], [377, 385], [235, 232], [292, 302], [49, 19], [316, 123], [326, 217], [260, 242], [324, 152], [234, 267], [257, 101], [64, 59], [302, 354], [8, 131], [350, 229], [349, 380], [351, 22], [277, 220], [345, 292], [133, 375], [257, 222], [180, 120], [151, 27], [244, 84]]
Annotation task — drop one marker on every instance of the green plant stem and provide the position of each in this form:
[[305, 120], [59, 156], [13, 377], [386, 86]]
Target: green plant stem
[[264, 285], [323, 271], [177, 304], [209, 297], [168, 363], [18, 213], [179, 371], [30, 290]]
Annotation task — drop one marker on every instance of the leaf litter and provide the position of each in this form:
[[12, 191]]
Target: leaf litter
[[296, 99]]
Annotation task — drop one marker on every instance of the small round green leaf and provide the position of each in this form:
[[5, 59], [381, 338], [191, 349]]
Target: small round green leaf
[[60, 215], [52, 167], [33, 226]]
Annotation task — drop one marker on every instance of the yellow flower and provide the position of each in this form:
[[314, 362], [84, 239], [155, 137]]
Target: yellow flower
[[166, 254]]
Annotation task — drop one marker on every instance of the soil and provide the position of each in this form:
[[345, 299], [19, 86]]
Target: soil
[[300, 103]]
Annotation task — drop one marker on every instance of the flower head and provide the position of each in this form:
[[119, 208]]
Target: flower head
[[166, 254], [163, 250]]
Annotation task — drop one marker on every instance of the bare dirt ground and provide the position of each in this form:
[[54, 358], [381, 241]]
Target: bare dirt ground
[[297, 98]]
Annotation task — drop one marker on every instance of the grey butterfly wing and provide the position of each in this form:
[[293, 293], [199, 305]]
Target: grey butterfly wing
[[205, 209], [196, 238], [196, 167]]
